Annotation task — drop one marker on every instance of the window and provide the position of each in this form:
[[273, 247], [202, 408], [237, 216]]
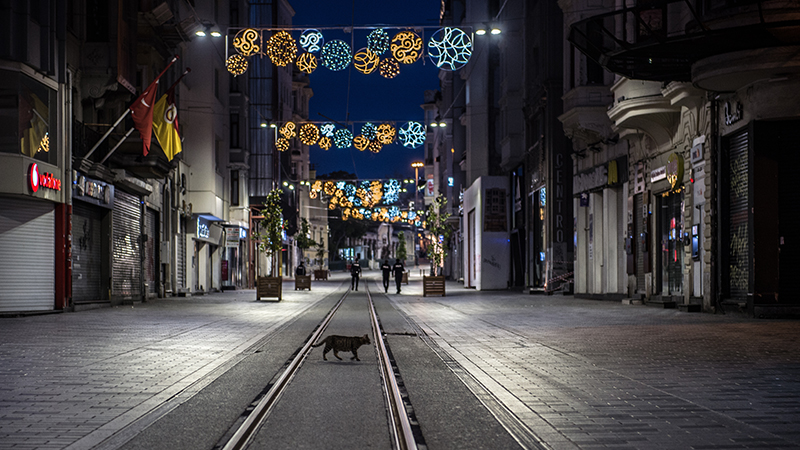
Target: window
[[27, 108], [234, 188]]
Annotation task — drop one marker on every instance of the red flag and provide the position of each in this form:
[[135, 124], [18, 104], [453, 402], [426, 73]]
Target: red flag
[[142, 110]]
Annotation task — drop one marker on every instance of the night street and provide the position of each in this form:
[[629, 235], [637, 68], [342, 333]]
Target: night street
[[482, 370]]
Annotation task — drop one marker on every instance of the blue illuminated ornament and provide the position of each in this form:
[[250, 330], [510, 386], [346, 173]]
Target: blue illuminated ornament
[[369, 130], [450, 48], [411, 135], [342, 138], [378, 41], [336, 55], [311, 40], [391, 191], [327, 129]]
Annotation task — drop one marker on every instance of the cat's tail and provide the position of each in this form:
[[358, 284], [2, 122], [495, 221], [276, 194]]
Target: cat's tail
[[317, 345]]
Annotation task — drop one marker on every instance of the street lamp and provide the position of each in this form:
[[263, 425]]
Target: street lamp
[[416, 165]]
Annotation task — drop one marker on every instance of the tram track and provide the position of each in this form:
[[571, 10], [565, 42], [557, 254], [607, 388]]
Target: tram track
[[401, 428]]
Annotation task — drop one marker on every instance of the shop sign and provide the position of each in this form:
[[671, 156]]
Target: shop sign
[[658, 174], [100, 193], [697, 149], [203, 231], [674, 170], [592, 179], [232, 237], [733, 113], [44, 180]]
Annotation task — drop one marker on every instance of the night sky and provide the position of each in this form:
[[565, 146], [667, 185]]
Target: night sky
[[371, 97]]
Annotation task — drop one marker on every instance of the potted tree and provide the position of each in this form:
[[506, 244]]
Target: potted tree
[[304, 242], [322, 272], [439, 235], [268, 241], [402, 253]]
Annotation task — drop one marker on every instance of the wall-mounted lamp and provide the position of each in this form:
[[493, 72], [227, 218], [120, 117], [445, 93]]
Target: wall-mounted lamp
[[486, 28], [263, 124], [207, 28]]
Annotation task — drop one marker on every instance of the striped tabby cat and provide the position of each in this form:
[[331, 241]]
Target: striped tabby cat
[[342, 344]]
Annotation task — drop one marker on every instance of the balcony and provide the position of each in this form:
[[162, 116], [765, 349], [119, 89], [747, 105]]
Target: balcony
[[661, 40]]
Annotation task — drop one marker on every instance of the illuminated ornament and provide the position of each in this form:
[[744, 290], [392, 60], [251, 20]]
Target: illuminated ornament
[[406, 47], [360, 142], [366, 61], [327, 129], [411, 135], [336, 55], [309, 134], [369, 130], [236, 64], [450, 48], [312, 194], [385, 133], [245, 42], [375, 146], [282, 144], [378, 41], [311, 40], [317, 186], [44, 144], [325, 143], [389, 68], [307, 63], [289, 130], [329, 188], [281, 48], [343, 138]]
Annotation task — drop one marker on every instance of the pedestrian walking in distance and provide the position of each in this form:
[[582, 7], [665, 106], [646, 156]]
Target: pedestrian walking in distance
[[301, 269], [355, 272], [398, 273], [387, 270]]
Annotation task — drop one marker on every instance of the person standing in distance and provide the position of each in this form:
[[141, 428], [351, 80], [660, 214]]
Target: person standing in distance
[[398, 273], [387, 270], [355, 272], [301, 269]]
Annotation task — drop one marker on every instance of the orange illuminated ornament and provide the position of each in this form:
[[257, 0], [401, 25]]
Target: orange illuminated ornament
[[360, 142], [309, 134], [375, 146], [389, 68], [282, 144], [406, 47], [236, 64], [307, 63], [281, 48], [386, 133], [329, 187], [325, 143], [245, 42], [288, 130], [366, 61]]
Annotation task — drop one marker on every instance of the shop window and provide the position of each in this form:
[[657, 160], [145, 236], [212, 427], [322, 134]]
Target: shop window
[[28, 113]]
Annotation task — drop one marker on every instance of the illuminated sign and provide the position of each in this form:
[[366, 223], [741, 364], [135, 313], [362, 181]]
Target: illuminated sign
[[45, 180], [202, 230]]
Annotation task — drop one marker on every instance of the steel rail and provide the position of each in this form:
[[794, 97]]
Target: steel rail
[[403, 436], [247, 430]]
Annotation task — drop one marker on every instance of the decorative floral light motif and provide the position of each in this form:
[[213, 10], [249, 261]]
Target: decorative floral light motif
[[309, 134], [369, 130], [288, 131], [406, 47], [360, 142], [336, 55], [311, 40], [245, 42], [282, 144], [385, 133], [411, 135], [450, 48], [375, 146], [236, 64], [378, 41], [343, 138], [325, 143], [281, 48], [366, 61], [327, 129], [307, 62], [389, 68]]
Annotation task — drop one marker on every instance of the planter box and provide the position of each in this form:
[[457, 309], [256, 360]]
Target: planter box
[[302, 282], [432, 286], [269, 287], [405, 278], [320, 274]]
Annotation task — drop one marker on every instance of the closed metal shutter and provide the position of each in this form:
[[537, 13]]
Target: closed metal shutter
[[180, 242], [126, 265], [27, 246], [150, 249], [87, 254], [639, 222], [738, 217]]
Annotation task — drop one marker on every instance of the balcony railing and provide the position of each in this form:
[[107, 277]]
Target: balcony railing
[[660, 40]]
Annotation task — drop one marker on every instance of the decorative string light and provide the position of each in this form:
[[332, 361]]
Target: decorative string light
[[245, 42], [282, 144], [281, 48], [378, 41], [411, 135], [406, 47], [375, 146], [366, 61], [389, 68], [369, 130], [325, 143], [309, 134], [311, 40], [450, 48], [336, 55], [360, 142], [236, 64], [307, 62], [385, 133], [327, 129], [342, 138], [288, 130]]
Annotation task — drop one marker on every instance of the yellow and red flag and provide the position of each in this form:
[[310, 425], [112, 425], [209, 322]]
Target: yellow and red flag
[[142, 110]]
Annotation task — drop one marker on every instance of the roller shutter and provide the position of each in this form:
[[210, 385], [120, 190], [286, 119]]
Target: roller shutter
[[27, 246], [180, 242], [87, 255], [639, 223], [738, 217], [126, 265], [150, 251]]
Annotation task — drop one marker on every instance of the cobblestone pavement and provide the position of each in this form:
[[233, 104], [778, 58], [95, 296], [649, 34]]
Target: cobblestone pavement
[[572, 373], [596, 374]]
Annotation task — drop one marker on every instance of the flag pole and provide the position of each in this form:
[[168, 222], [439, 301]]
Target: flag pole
[[124, 115]]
